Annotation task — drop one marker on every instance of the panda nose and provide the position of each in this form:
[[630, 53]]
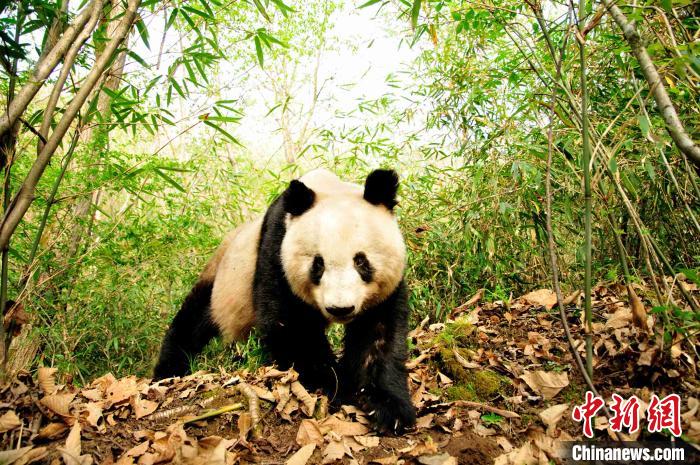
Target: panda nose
[[340, 311]]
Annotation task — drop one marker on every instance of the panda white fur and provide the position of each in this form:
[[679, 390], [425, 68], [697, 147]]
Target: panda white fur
[[326, 251]]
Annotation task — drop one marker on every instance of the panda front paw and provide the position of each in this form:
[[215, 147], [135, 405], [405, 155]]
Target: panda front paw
[[322, 377], [393, 416]]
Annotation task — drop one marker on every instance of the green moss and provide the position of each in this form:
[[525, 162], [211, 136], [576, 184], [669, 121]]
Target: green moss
[[455, 345], [478, 385], [461, 392], [457, 333], [487, 383], [449, 364]]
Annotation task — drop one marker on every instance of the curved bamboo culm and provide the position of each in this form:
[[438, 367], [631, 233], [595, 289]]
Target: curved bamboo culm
[[674, 126]]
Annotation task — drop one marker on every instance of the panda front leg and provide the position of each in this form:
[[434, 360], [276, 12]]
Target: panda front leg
[[374, 364], [301, 343]]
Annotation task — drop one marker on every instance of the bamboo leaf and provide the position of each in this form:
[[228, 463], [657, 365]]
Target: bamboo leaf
[[369, 3], [258, 50], [171, 19], [284, 8], [223, 131], [169, 180], [261, 9], [143, 32], [198, 12], [137, 58]]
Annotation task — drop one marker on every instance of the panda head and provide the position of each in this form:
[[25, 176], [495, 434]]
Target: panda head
[[342, 251]]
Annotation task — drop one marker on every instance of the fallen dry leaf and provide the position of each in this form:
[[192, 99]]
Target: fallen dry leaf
[[46, 377], [309, 433], [463, 361], [425, 447], [58, 403], [546, 383], [389, 460], [543, 297], [439, 459], [646, 358], [263, 393], [344, 428], [504, 443], [143, 407], [122, 389], [426, 421], [367, 441], [302, 456], [308, 402], [9, 421], [620, 319], [282, 393], [94, 413], [8, 457], [52, 431], [139, 450], [551, 416], [525, 455], [335, 450], [71, 452]]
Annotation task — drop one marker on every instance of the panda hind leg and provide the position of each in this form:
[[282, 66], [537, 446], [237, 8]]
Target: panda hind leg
[[190, 331]]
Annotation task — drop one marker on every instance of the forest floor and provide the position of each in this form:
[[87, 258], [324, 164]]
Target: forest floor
[[495, 384]]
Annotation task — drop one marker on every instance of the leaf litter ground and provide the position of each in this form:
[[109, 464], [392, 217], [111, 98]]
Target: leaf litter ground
[[495, 384]]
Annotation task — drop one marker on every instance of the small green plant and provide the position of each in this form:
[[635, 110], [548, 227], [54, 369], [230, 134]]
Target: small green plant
[[491, 418]]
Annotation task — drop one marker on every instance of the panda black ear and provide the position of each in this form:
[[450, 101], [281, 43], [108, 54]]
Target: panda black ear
[[381, 187], [298, 198]]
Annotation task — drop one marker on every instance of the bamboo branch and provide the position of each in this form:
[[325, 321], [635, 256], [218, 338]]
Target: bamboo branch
[[674, 126]]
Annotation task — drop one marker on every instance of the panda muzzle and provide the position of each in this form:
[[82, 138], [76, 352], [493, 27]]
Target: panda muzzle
[[340, 311]]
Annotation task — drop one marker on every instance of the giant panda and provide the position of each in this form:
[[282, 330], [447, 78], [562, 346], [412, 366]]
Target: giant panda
[[326, 251]]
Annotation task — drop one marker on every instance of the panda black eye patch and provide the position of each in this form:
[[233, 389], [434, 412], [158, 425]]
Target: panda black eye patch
[[317, 269], [363, 266]]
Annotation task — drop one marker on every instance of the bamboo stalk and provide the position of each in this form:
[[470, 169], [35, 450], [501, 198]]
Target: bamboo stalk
[[215, 413], [586, 160]]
